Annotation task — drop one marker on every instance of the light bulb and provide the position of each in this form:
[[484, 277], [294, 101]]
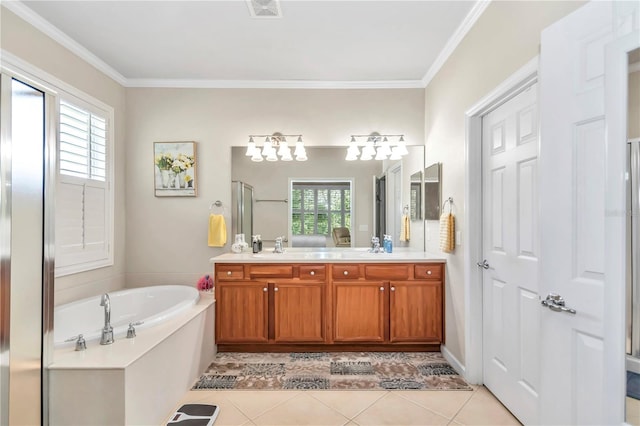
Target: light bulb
[[251, 146], [257, 157], [286, 155], [395, 154], [381, 155]]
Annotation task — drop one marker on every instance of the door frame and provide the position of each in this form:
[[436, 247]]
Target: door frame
[[616, 83], [473, 303]]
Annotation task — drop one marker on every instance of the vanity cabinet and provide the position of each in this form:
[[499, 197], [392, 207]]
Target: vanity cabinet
[[262, 304], [329, 306]]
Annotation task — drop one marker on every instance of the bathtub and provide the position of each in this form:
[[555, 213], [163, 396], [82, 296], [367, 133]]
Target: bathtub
[[149, 305], [132, 381]]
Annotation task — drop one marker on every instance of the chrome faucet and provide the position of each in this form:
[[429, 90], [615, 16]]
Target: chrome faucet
[[278, 248], [107, 330]]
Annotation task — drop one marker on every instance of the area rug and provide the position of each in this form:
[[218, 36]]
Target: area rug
[[331, 370]]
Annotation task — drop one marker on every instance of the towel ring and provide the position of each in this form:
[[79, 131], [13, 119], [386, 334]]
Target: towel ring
[[450, 201], [405, 210], [219, 205]]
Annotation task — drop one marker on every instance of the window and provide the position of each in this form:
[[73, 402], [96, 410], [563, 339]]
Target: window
[[318, 207], [84, 202]]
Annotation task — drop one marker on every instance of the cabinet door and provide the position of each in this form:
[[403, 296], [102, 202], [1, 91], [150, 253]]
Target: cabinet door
[[299, 312], [241, 312], [359, 311], [415, 311]]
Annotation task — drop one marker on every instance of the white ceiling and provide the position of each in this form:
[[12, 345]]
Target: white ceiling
[[354, 43]]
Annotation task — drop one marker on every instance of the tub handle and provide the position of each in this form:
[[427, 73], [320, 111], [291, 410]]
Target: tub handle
[[81, 344], [131, 332]]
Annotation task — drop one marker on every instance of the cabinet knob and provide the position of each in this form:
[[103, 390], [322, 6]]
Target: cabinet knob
[[393, 289], [346, 272], [428, 272], [275, 289], [228, 272], [264, 289], [381, 288], [312, 273]]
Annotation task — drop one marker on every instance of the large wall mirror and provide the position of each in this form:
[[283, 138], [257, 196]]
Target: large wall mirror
[[273, 203]]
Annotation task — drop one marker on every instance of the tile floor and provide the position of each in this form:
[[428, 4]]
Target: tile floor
[[353, 408]]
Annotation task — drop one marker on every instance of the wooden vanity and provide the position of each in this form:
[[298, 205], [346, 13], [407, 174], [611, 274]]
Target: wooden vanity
[[284, 304]]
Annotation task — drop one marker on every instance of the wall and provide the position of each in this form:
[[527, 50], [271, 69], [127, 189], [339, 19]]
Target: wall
[[24, 41], [505, 38], [166, 237]]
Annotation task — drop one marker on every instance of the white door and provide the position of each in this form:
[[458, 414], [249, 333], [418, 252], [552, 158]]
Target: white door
[[573, 215], [511, 250]]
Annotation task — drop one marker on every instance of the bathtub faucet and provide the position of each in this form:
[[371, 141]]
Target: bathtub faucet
[[107, 330]]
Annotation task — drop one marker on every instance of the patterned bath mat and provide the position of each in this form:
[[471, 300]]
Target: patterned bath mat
[[334, 370]]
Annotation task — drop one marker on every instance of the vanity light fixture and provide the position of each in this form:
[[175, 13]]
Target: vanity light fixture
[[275, 145], [376, 146]]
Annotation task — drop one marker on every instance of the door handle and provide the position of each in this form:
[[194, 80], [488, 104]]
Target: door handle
[[555, 302], [484, 264]]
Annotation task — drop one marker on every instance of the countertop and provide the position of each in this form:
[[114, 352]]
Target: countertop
[[327, 255]]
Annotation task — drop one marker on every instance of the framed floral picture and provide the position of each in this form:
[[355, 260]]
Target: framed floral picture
[[175, 169]]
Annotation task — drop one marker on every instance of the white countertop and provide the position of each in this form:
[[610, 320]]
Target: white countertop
[[327, 255]]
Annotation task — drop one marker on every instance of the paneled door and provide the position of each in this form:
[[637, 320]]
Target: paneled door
[[511, 250]]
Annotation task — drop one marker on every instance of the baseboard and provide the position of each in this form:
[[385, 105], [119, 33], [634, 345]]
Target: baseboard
[[457, 365]]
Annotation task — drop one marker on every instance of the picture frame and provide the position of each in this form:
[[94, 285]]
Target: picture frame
[[175, 169]]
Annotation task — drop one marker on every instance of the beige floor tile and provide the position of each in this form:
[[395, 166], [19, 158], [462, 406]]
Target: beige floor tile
[[229, 415], [348, 403], [633, 411], [300, 410], [255, 403], [445, 403], [484, 409], [395, 410]]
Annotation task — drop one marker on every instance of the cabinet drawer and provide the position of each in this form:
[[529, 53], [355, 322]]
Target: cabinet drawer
[[341, 272], [428, 271], [387, 272], [271, 271], [229, 272], [312, 272]]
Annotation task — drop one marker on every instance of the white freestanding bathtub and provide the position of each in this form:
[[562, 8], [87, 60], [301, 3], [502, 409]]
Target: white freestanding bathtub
[[133, 381]]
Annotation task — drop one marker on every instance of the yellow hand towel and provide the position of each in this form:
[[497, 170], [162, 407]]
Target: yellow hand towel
[[447, 232], [217, 230], [405, 228]]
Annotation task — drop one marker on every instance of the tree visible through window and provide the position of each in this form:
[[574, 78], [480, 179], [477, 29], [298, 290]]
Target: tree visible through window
[[318, 207]]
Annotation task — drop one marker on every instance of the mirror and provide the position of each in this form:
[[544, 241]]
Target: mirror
[[415, 196], [271, 182], [433, 191]]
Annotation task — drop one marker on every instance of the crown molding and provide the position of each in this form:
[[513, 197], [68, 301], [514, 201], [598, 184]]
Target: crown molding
[[274, 84], [474, 14], [27, 14]]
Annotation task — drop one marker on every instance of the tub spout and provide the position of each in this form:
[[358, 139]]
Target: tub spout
[[107, 330]]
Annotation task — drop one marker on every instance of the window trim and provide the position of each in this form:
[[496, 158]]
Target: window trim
[[350, 180], [93, 106]]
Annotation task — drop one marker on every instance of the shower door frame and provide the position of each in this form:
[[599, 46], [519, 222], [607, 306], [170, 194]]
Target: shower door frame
[[633, 256]]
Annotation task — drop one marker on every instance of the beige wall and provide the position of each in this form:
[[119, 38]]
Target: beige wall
[[166, 237], [505, 38], [634, 106], [24, 41]]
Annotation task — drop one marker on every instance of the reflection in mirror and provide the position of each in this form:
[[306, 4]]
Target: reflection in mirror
[[415, 194], [274, 201], [433, 191], [633, 241]]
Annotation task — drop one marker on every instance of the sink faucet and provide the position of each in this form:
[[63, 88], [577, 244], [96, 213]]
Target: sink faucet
[[375, 245], [278, 248], [107, 330]]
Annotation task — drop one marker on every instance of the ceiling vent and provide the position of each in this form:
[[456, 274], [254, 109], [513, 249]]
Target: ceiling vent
[[264, 8]]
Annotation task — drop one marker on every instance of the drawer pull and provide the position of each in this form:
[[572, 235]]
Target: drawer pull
[[346, 272], [275, 289], [393, 289], [312, 273], [428, 272], [229, 273], [264, 289], [381, 288]]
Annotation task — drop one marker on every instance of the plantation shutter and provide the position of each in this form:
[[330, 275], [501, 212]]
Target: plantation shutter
[[83, 229]]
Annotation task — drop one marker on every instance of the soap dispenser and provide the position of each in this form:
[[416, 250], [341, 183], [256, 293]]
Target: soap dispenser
[[387, 243]]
